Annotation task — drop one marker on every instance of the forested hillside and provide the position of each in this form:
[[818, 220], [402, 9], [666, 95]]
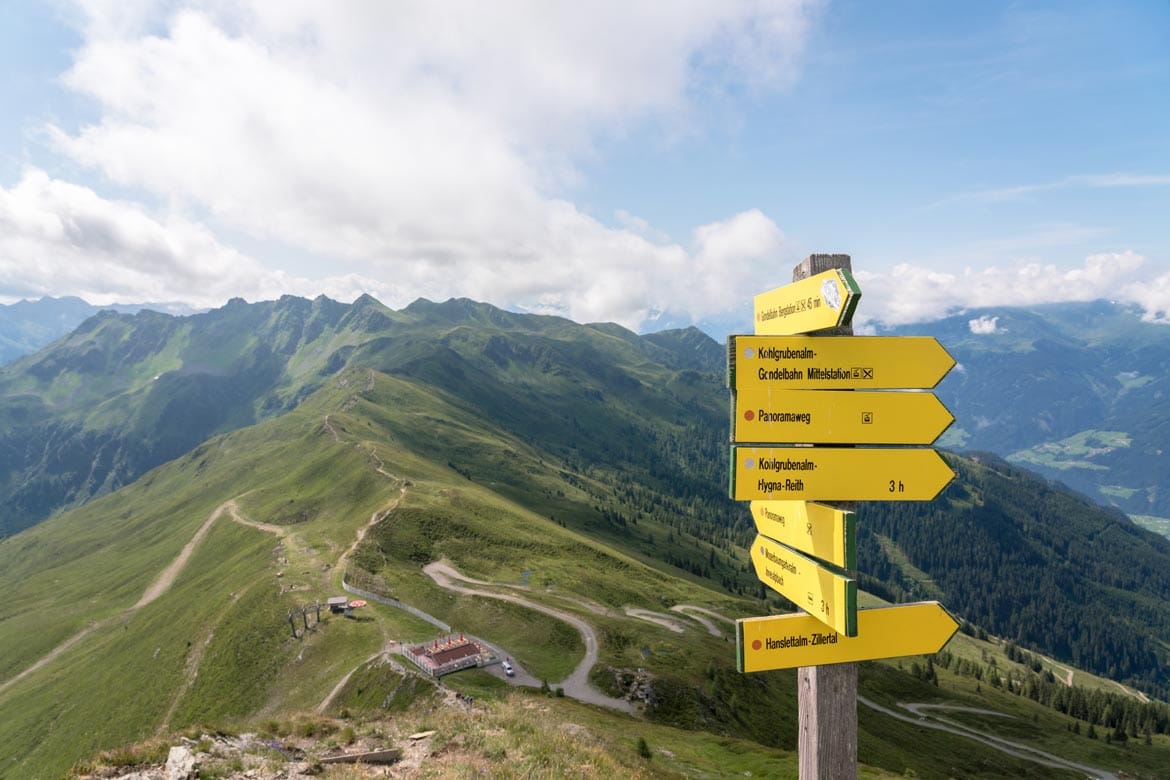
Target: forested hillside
[[1077, 391], [1028, 561]]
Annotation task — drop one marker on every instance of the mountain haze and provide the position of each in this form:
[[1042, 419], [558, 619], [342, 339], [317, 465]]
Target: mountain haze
[[27, 326], [1079, 392]]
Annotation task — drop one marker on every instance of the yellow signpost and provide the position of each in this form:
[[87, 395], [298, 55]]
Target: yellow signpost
[[825, 533], [828, 596], [837, 474], [789, 641], [778, 381], [819, 302], [764, 414], [836, 362]]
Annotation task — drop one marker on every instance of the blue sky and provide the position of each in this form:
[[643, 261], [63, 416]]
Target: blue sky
[[604, 162]]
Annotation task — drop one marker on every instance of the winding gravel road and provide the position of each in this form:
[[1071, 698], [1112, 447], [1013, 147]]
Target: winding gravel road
[[576, 684], [920, 718]]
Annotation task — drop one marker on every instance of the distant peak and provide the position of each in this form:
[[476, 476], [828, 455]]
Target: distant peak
[[365, 299]]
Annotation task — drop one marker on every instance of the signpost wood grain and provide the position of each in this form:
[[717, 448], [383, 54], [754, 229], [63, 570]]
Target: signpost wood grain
[[826, 739]]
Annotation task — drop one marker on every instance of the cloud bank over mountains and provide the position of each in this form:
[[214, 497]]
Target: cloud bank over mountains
[[430, 150], [916, 294]]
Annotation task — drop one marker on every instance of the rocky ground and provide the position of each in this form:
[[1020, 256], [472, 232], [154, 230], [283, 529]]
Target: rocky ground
[[259, 757], [447, 735]]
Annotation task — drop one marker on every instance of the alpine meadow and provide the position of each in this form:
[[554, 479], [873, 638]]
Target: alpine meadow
[[184, 493]]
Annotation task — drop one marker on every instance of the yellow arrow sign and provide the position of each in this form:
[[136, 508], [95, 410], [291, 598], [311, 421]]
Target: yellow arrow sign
[[836, 362], [837, 474], [826, 595], [826, 300], [823, 532], [789, 641], [763, 414]]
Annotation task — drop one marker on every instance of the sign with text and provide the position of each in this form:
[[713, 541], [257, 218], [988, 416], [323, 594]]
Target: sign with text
[[824, 594], [826, 300], [836, 362], [837, 474], [768, 415], [789, 641], [823, 532]]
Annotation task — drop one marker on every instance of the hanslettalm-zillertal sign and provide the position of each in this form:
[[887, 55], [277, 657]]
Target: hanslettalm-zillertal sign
[[789, 641]]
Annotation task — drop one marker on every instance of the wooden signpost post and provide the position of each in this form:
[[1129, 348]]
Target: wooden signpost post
[[789, 388]]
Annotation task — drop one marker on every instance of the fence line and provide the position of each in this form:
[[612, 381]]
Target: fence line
[[418, 613]]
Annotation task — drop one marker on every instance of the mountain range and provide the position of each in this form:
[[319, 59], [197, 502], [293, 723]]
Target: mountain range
[[1079, 392], [303, 441], [27, 326]]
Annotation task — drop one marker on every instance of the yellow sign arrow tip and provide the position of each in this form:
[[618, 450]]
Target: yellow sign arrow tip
[[790, 641]]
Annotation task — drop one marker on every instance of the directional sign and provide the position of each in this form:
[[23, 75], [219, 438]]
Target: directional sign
[[826, 300], [836, 362], [788, 641], [826, 595], [837, 474], [823, 532], [766, 415]]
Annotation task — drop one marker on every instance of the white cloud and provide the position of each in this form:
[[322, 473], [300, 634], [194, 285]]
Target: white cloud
[[58, 238], [429, 146], [1024, 192], [1153, 295], [915, 294], [984, 325]]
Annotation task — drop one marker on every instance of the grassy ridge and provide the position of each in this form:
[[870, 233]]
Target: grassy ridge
[[315, 472], [318, 475], [228, 603]]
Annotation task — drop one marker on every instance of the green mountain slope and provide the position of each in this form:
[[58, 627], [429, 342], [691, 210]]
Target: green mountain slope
[[637, 424], [123, 394], [394, 455], [1032, 563], [26, 326], [363, 445]]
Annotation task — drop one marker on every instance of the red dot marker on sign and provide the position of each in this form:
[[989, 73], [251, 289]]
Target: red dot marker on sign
[[757, 644], [749, 415]]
